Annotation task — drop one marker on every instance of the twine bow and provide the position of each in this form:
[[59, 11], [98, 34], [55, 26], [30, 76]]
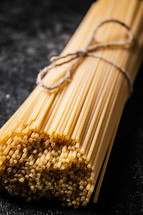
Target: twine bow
[[87, 51]]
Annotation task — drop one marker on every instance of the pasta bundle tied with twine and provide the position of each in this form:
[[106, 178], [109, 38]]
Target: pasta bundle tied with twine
[[58, 143]]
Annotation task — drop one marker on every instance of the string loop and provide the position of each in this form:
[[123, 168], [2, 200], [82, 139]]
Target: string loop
[[87, 52]]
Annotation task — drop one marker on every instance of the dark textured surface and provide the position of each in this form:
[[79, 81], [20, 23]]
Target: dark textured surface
[[31, 32]]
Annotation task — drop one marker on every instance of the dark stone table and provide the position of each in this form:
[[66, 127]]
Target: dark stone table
[[30, 33]]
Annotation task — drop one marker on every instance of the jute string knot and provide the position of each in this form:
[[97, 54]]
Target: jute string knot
[[88, 51]]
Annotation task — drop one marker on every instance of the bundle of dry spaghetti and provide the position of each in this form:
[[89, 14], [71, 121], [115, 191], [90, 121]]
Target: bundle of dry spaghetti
[[58, 143]]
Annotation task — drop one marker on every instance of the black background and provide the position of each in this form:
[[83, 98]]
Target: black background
[[30, 33]]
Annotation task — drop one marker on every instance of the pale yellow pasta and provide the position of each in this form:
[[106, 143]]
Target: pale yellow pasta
[[57, 144]]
